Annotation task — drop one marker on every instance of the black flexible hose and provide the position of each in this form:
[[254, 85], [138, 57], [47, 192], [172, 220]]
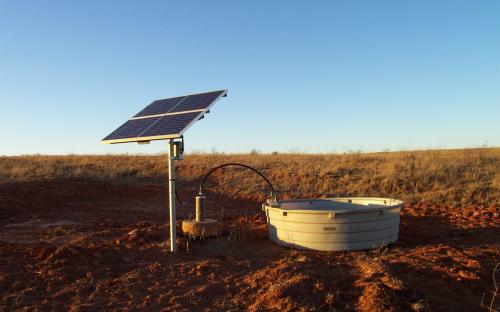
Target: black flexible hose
[[179, 201], [273, 190]]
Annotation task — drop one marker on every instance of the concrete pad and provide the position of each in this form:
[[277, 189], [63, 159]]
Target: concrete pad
[[205, 228]]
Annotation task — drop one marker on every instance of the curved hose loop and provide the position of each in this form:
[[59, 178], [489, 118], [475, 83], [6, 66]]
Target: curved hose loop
[[179, 201], [273, 190]]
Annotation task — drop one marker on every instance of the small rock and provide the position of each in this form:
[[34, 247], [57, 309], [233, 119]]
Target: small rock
[[319, 286], [301, 259], [476, 214], [496, 214], [329, 298], [467, 275], [134, 234]]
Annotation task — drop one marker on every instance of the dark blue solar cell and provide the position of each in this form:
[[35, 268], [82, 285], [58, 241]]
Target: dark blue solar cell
[[171, 124], [197, 101], [160, 106], [132, 128]]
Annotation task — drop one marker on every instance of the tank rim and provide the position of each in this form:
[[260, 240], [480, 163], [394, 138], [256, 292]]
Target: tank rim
[[390, 203]]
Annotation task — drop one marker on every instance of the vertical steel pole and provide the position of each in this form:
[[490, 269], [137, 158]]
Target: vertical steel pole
[[171, 195]]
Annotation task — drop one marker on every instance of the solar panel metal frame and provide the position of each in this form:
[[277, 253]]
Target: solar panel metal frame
[[202, 112]]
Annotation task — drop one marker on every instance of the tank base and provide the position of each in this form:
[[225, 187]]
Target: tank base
[[206, 228]]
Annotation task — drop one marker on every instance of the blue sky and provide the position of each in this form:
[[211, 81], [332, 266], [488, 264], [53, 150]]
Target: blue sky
[[314, 76]]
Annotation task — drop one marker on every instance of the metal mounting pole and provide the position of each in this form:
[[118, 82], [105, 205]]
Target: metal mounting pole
[[171, 195]]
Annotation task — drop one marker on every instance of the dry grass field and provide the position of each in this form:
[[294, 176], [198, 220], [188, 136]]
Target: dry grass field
[[469, 176], [87, 233]]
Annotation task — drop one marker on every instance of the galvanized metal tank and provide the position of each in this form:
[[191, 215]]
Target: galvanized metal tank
[[334, 224]]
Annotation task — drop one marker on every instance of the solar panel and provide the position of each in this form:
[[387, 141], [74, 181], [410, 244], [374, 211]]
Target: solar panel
[[171, 124], [197, 101], [165, 119], [160, 106], [132, 128]]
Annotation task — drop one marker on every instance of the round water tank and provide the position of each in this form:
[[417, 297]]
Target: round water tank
[[334, 224]]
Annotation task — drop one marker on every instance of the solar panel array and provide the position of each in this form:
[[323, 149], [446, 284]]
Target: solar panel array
[[165, 119]]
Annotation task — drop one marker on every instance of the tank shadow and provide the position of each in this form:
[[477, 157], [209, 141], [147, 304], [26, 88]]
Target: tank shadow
[[431, 230]]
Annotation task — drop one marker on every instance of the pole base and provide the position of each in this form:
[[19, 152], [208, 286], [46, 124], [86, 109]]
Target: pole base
[[197, 229]]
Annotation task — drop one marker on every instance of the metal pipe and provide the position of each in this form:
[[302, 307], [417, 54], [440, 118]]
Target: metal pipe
[[200, 208], [171, 195]]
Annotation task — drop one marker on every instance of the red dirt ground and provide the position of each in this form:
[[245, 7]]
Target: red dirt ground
[[85, 245]]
